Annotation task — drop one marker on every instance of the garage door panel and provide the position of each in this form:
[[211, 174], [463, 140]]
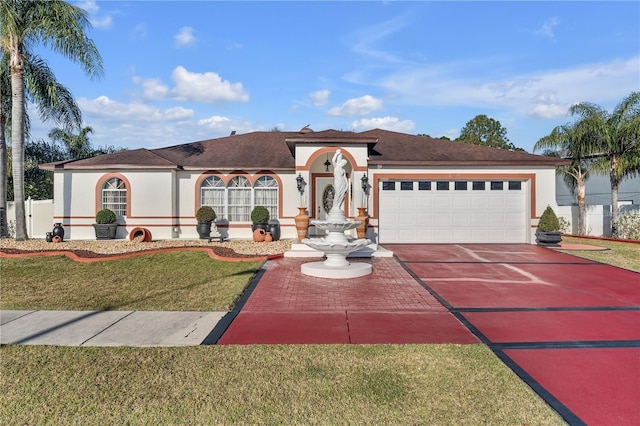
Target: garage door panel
[[485, 216]]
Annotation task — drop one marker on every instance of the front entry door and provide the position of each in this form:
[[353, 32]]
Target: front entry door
[[323, 197]]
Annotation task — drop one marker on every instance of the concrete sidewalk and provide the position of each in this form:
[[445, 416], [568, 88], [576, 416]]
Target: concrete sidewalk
[[106, 328]]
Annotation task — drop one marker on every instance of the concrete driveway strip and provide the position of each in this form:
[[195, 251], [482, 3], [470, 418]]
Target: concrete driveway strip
[[106, 328]]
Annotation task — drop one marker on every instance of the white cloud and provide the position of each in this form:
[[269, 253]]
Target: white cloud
[[387, 123], [357, 106], [192, 87], [214, 122], [320, 97], [105, 108], [541, 94], [154, 89], [92, 9], [205, 87], [365, 39], [547, 28], [549, 111], [223, 126], [184, 37]]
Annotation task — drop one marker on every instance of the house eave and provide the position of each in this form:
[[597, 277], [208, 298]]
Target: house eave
[[472, 163], [57, 167]]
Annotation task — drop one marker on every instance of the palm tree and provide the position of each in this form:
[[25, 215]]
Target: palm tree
[[77, 145], [566, 142], [57, 25], [54, 101], [617, 136]]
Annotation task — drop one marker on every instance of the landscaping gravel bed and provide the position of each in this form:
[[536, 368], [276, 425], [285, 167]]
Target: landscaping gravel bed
[[91, 248]]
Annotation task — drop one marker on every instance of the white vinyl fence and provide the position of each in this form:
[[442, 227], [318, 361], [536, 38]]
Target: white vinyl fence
[[598, 220], [39, 215]]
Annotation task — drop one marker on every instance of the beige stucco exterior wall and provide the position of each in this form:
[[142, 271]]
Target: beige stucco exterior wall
[[165, 201]]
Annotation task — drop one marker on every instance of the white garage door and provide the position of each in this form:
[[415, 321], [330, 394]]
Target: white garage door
[[453, 211]]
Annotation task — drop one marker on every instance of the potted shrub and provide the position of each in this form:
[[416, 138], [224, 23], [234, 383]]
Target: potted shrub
[[548, 232], [260, 218], [205, 215], [105, 226]]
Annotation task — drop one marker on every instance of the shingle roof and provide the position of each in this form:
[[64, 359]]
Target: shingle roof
[[395, 148], [274, 151], [136, 158]]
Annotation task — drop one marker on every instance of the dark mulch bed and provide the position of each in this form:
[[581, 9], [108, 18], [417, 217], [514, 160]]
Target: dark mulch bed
[[220, 251]]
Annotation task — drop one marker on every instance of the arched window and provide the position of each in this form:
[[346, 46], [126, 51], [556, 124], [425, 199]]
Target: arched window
[[114, 196], [239, 199], [265, 193], [213, 193]]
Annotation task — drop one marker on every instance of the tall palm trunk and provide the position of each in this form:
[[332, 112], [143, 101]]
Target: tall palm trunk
[[615, 183], [4, 229], [17, 141], [582, 211]]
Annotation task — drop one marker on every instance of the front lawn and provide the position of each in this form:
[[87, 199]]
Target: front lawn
[[622, 254], [173, 281], [293, 384], [254, 384]]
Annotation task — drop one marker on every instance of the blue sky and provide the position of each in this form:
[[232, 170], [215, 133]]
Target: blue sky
[[182, 71]]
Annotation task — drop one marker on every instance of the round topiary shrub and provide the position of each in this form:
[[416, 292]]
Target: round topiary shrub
[[260, 214], [205, 214], [105, 216], [549, 221]]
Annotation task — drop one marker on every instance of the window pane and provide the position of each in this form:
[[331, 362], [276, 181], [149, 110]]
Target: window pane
[[212, 193], [406, 186], [496, 186], [239, 199], [515, 185], [266, 194], [442, 185], [114, 196], [424, 186], [460, 186], [388, 186], [478, 185]]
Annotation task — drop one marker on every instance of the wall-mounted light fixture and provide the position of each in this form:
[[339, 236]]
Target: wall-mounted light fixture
[[300, 184], [365, 183], [327, 164]]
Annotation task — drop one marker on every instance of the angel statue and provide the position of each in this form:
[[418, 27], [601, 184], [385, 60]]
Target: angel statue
[[339, 180]]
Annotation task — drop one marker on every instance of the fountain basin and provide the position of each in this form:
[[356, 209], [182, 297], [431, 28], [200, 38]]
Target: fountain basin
[[321, 270], [336, 264]]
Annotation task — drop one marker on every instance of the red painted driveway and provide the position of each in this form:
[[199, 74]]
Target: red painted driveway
[[568, 326], [388, 306]]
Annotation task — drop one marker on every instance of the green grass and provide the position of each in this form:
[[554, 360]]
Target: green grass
[[303, 384], [621, 254], [255, 384], [174, 281]]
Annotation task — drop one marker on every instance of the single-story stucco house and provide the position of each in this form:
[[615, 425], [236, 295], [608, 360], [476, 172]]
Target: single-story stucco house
[[418, 189]]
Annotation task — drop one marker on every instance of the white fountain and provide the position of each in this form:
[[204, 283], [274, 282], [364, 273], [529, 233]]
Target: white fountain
[[336, 245]]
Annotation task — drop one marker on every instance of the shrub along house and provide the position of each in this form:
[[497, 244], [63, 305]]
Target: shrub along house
[[418, 190]]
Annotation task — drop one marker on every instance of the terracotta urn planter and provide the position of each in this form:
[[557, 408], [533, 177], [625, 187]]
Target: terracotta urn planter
[[259, 235], [302, 223], [364, 219]]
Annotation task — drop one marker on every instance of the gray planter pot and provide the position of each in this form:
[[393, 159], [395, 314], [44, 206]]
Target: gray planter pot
[[105, 231], [548, 239], [204, 230]]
